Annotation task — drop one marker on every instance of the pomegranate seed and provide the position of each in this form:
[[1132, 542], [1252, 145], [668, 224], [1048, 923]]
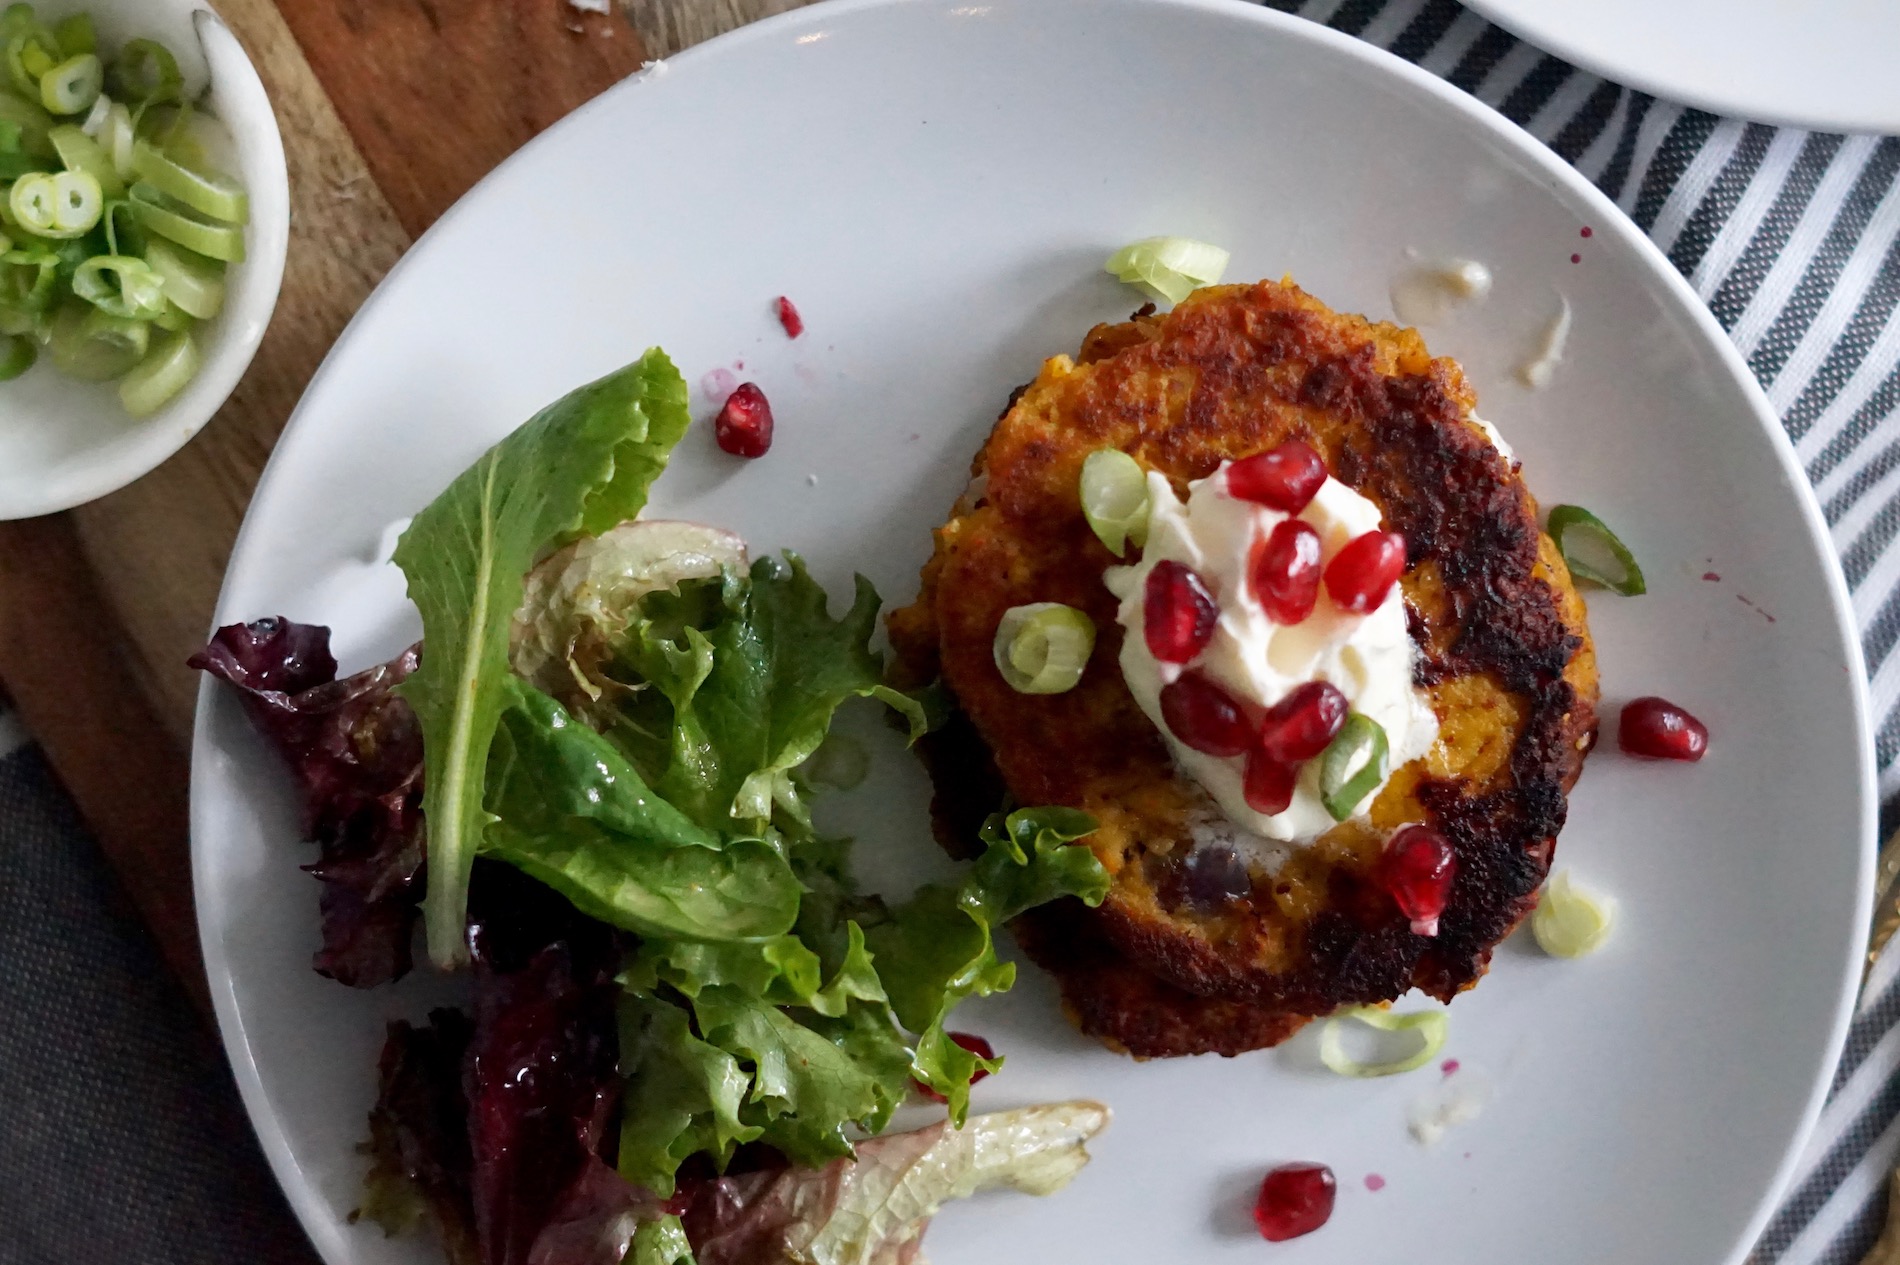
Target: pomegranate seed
[[975, 1045], [1286, 477], [1416, 870], [1656, 729], [1204, 716], [1267, 783], [1299, 726], [744, 426], [1361, 574], [788, 317], [1286, 572], [1295, 1199], [1178, 613]]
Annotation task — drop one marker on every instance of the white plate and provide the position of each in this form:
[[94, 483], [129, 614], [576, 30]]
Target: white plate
[[1826, 66], [936, 185]]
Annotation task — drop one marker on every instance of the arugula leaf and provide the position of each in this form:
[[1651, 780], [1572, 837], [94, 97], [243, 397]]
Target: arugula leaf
[[939, 947], [579, 466], [568, 809]]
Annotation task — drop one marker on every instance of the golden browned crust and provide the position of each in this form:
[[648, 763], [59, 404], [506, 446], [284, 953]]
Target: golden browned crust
[[1506, 658]]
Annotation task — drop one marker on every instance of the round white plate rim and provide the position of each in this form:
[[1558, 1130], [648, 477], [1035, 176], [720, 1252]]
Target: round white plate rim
[[302, 1194], [1734, 97]]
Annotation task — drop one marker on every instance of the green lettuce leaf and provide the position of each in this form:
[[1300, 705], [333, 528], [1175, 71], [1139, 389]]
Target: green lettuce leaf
[[566, 807], [737, 705], [578, 467], [939, 947], [683, 1094]]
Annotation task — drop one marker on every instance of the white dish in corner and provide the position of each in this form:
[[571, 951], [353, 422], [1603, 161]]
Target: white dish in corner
[[936, 184], [1823, 66], [64, 442]]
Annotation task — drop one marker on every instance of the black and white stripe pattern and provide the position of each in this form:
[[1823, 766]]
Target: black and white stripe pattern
[[1793, 240]]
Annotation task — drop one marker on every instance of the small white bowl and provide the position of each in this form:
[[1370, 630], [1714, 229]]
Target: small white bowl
[[64, 442]]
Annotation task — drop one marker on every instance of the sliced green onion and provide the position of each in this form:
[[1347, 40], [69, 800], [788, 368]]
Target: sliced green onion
[[1353, 765], [14, 160], [217, 196], [1571, 921], [192, 282], [79, 152], [18, 17], [121, 286], [160, 376], [16, 321], [1115, 499], [117, 136], [1042, 648], [97, 346], [1430, 1026], [76, 35], [72, 86], [29, 278], [176, 222], [1169, 268], [34, 123], [31, 52], [1593, 552], [174, 319], [17, 355], [61, 206], [145, 71]]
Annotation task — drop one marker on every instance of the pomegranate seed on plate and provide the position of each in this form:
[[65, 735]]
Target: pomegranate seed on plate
[[788, 317], [1300, 726], [1295, 1199], [1416, 871], [975, 1045], [744, 426], [1205, 716], [1267, 783], [1361, 574], [1287, 477], [1286, 571], [1178, 613], [1656, 729]]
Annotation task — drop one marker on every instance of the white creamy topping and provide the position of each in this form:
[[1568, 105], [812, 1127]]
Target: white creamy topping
[[1535, 372], [1368, 657], [1428, 294], [1497, 440]]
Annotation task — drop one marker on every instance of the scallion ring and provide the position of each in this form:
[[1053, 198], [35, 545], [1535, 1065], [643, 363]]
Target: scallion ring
[[176, 222], [218, 197], [79, 152], [192, 282], [1169, 268], [1430, 1026], [94, 345], [17, 354], [61, 206], [76, 35], [72, 86], [34, 123], [1114, 493], [30, 53], [122, 286], [29, 278], [117, 136], [1042, 648], [1593, 551], [1571, 921], [1353, 765], [163, 373], [145, 71]]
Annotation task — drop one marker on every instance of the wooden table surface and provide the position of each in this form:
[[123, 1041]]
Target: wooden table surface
[[390, 111]]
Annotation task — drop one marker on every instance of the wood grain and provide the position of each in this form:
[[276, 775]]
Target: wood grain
[[437, 92]]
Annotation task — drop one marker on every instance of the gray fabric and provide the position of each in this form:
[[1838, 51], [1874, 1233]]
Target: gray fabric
[[122, 1141]]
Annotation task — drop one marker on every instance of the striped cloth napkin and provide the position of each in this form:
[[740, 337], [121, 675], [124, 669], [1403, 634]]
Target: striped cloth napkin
[[1793, 240]]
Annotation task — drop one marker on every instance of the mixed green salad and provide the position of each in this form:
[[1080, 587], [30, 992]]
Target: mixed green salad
[[598, 764]]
